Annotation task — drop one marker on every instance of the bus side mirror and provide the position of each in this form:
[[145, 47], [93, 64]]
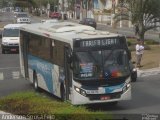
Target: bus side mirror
[[70, 59]]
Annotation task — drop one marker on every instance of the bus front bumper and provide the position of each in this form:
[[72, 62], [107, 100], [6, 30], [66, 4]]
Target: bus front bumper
[[78, 99]]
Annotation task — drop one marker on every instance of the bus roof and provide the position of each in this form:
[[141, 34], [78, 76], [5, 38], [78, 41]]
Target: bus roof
[[13, 25], [70, 31]]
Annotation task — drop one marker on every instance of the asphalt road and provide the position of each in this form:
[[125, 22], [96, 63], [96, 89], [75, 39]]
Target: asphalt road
[[10, 78]]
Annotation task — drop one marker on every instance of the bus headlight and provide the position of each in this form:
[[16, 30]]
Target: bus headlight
[[83, 92], [80, 91], [77, 89]]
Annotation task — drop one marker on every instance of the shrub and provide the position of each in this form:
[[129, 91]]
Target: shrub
[[147, 47], [151, 42], [129, 43]]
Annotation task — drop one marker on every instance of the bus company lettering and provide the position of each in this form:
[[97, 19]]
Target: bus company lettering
[[101, 42], [43, 67]]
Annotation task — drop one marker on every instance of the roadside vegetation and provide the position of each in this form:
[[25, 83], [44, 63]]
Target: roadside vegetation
[[143, 14], [151, 56], [31, 103]]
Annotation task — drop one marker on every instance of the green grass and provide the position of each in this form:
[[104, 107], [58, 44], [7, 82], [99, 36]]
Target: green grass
[[151, 58], [31, 103]]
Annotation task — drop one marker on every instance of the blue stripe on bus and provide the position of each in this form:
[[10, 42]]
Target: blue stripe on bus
[[113, 88], [44, 68]]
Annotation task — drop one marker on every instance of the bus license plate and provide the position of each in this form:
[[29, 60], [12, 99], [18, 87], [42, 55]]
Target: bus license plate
[[105, 97]]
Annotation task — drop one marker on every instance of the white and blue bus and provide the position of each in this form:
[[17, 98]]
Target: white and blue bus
[[76, 62]]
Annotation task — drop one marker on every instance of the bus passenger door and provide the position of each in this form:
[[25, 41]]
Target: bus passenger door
[[25, 55], [68, 82]]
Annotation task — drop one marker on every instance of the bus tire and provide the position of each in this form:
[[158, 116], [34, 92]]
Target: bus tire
[[62, 91], [35, 81]]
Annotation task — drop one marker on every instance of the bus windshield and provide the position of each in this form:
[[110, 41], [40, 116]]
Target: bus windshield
[[102, 64], [11, 33]]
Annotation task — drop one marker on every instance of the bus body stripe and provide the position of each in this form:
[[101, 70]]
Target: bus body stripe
[[44, 68]]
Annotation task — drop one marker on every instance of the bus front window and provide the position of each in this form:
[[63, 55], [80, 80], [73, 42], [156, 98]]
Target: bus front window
[[105, 64], [115, 63], [87, 64]]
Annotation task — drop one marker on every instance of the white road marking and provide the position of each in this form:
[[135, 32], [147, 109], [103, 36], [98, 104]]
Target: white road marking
[[1, 76], [9, 68], [15, 74], [149, 72]]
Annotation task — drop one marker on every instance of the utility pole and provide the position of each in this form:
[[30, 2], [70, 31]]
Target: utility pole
[[48, 9], [62, 10], [86, 7], [1, 3]]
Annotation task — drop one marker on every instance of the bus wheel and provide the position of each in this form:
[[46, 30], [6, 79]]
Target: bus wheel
[[63, 95], [35, 82]]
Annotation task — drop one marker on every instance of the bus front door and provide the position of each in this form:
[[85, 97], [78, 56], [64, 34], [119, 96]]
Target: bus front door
[[68, 82], [25, 55]]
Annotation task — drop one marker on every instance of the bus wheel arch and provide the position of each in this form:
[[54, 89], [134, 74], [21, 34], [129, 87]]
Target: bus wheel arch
[[35, 80], [134, 77], [62, 92]]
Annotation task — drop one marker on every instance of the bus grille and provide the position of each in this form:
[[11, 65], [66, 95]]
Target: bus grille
[[98, 96]]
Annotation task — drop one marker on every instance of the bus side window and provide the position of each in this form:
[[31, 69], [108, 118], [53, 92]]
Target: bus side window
[[44, 47]]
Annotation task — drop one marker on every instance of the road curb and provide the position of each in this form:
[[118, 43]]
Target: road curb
[[148, 72]]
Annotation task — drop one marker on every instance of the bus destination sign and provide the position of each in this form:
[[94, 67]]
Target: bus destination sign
[[99, 42]]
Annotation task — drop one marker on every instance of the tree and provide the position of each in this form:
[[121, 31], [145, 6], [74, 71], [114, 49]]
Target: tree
[[24, 3], [143, 13]]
